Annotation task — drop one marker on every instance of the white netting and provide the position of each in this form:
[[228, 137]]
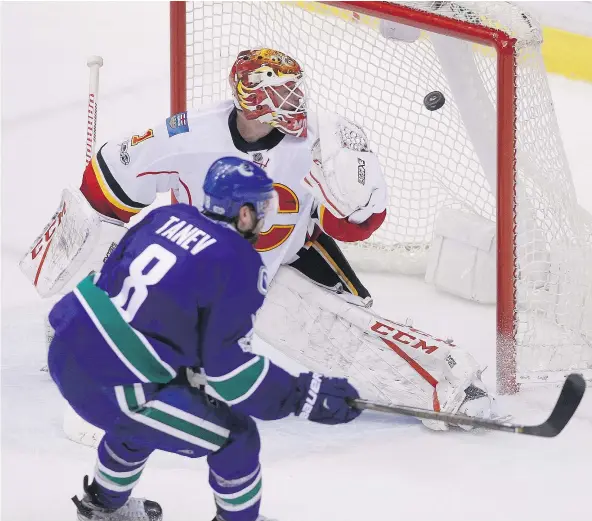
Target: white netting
[[433, 160]]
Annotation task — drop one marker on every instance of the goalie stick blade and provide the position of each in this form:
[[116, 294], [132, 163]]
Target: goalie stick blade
[[570, 397]]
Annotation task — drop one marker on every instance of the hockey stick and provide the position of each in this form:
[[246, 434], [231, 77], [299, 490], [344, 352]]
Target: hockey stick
[[570, 397], [94, 64]]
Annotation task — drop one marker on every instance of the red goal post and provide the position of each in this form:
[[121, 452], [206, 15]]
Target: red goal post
[[461, 24]]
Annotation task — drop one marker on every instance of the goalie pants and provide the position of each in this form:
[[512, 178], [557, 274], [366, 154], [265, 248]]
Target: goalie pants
[[322, 261], [140, 418]]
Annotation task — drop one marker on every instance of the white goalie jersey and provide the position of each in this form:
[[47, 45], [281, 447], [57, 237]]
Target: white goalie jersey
[[126, 174]]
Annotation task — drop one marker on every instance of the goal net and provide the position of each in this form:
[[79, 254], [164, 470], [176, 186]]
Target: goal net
[[493, 149]]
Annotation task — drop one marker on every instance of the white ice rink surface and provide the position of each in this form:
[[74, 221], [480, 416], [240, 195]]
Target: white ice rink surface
[[376, 468]]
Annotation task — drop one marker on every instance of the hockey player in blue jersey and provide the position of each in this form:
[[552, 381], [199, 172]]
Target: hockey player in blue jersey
[[181, 290]]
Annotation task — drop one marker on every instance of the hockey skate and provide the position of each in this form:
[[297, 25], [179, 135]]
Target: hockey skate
[[136, 509]]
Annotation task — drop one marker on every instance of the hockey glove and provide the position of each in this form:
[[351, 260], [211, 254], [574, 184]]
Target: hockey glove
[[324, 400]]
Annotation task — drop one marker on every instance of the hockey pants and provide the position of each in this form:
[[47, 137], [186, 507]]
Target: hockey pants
[[140, 418]]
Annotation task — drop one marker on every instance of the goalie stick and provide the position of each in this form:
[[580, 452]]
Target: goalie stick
[[75, 428], [570, 397], [94, 63]]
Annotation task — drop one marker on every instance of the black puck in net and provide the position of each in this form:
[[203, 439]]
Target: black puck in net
[[434, 100]]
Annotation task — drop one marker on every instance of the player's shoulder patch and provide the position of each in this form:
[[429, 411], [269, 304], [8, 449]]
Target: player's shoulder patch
[[263, 281], [177, 124]]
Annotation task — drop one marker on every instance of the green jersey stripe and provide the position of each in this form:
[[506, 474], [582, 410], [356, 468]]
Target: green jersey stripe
[[191, 435], [183, 425], [121, 481], [107, 338], [243, 502], [234, 372], [130, 396], [234, 496], [109, 485], [119, 474], [121, 337], [191, 418], [135, 398], [243, 384]]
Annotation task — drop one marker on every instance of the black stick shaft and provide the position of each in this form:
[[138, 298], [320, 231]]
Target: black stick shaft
[[425, 414], [567, 403]]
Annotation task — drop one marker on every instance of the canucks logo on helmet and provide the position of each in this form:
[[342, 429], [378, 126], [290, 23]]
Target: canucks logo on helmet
[[245, 169]]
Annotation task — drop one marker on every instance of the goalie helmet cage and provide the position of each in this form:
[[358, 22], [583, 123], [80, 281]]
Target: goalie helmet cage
[[493, 149]]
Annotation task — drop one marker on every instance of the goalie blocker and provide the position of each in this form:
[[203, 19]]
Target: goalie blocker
[[74, 243]]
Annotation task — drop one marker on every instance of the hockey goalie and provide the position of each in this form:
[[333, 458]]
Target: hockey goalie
[[330, 188]]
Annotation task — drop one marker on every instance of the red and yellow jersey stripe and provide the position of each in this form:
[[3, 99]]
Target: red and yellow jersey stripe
[[104, 193]]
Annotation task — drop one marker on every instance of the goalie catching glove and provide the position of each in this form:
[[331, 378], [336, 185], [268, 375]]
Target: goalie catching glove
[[345, 175]]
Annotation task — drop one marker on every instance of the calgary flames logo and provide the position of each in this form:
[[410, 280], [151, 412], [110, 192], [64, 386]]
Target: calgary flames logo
[[279, 233]]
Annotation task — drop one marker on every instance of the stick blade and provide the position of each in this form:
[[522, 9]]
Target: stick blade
[[569, 399]]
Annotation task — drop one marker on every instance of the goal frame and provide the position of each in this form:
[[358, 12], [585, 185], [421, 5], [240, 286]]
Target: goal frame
[[505, 47]]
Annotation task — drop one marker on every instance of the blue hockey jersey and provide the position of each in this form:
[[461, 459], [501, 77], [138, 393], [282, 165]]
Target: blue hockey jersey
[[180, 290]]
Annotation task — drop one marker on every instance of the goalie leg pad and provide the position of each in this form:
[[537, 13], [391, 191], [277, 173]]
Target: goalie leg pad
[[74, 243], [385, 360]]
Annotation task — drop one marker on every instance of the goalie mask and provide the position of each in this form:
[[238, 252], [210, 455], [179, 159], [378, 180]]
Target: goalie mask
[[267, 85]]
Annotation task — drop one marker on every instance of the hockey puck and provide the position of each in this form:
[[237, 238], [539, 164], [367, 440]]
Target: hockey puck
[[434, 100]]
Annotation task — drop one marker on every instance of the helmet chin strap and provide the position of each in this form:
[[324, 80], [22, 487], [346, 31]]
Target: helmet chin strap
[[249, 235]]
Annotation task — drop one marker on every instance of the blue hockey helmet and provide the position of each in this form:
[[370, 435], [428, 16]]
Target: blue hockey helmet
[[231, 183]]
